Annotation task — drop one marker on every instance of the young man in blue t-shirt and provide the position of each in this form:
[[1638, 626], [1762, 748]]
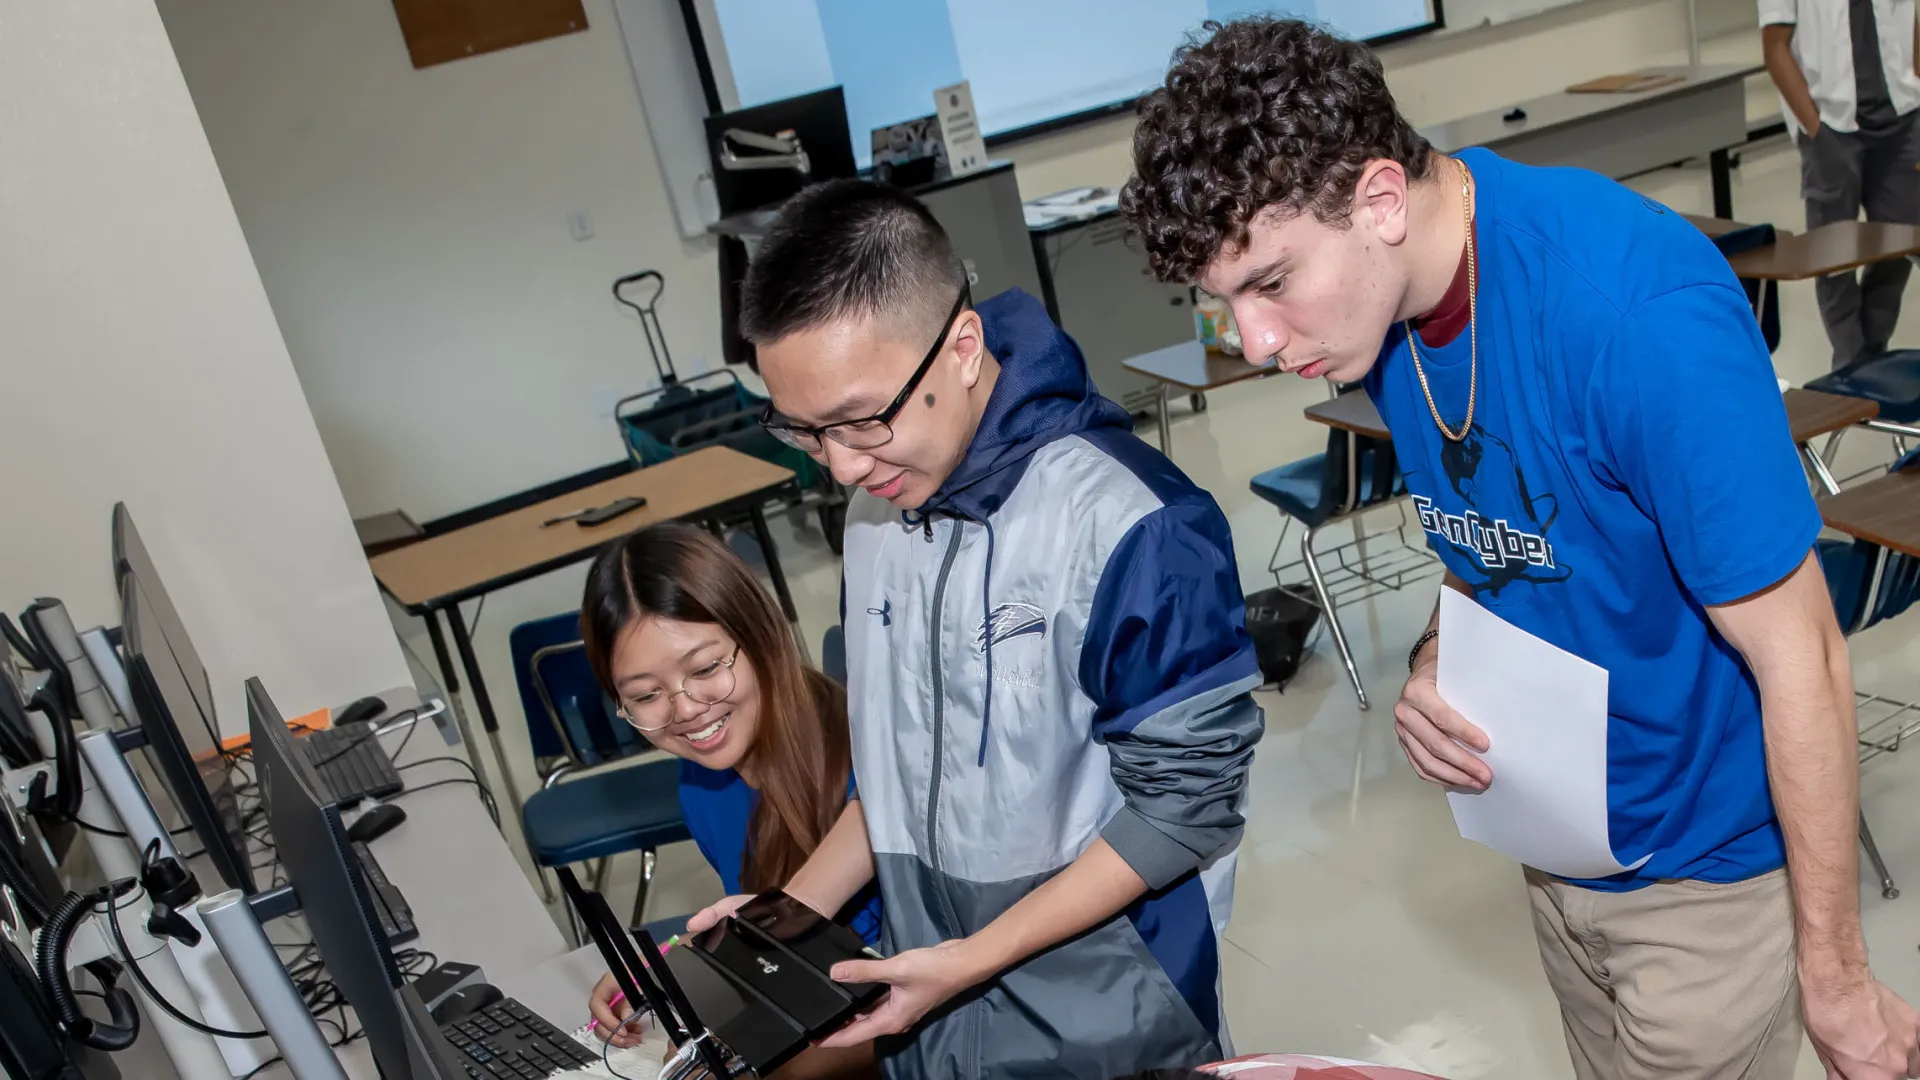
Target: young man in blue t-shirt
[[1594, 441]]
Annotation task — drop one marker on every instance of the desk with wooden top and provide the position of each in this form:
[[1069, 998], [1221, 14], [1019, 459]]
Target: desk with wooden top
[[431, 576], [1883, 511], [1714, 227], [1830, 249], [1810, 414], [1194, 368], [1353, 412]]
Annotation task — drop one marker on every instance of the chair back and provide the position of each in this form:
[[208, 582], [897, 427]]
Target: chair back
[[568, 716], [1762, 296]]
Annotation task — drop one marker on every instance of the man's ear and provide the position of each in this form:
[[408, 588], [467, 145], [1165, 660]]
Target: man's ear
[[1380, 200], [969, 346]]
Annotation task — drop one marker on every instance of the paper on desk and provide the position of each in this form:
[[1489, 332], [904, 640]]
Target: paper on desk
[[641, 1061], [1544, 711]]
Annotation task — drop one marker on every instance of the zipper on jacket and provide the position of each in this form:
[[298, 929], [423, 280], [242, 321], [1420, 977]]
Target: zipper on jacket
[[939, 696]]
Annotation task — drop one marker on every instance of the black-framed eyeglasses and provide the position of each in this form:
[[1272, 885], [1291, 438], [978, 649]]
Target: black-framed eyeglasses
[[869, 432]]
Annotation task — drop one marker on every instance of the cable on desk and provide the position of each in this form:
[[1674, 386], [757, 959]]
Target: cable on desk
[[486, 797], [606, 1059], [460, 761], [98, 831]]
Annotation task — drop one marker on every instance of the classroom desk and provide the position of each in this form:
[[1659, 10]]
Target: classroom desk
[[1352, 411], [1621, 135], [1884, 511], [1811, 414], [1829, 249], [1194, 368], [430, 577], [1714, 227]]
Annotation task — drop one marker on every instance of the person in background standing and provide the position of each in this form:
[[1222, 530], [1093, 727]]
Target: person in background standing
[[1850, 85]]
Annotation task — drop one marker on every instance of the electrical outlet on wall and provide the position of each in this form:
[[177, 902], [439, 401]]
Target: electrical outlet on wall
[[580, 224]]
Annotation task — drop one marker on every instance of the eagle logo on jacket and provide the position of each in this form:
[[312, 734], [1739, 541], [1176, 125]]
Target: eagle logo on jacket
[[1010, 621]]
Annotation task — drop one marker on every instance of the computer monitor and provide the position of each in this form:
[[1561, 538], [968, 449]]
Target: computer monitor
[[818, 120], [430, 1056], [312, 843], [130, 557], [188, 756]]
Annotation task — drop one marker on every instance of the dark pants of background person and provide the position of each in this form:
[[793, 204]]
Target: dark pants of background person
[[1842, 173]]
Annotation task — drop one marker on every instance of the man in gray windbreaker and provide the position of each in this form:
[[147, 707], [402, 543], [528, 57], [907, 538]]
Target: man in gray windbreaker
[[1049, 672]]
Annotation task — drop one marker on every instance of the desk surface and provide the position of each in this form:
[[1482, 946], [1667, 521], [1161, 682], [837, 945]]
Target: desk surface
[[1829, 249], [1885, 511], [513, 547], [1714, 227], [1352, 411], [1555, 110], [1811, 414], [1193, 367]]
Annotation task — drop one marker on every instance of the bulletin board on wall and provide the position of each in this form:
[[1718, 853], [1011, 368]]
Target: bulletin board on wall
[[437, 31]]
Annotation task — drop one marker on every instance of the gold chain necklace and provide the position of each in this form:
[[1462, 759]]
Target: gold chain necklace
[[1473, 324]]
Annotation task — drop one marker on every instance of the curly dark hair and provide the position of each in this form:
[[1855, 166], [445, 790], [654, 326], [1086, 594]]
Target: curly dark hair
[[1260, 114]]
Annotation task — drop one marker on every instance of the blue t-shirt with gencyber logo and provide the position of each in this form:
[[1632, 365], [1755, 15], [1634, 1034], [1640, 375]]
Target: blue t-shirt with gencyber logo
[[1629, 464]]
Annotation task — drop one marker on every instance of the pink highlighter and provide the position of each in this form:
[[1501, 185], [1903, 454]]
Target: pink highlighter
[[621, 995]]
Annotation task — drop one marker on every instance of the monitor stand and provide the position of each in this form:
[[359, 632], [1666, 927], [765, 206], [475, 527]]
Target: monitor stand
[[232, 990]]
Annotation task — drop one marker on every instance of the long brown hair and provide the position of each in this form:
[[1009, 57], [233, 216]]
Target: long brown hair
[[801, 755]]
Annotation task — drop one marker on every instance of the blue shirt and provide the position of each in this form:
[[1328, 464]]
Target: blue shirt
[[717, 805], [1629, 464]]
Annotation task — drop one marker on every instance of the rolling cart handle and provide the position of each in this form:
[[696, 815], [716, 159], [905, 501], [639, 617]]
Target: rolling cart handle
[[650, 321]]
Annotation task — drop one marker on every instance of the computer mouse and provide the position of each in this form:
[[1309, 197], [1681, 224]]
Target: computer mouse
[[367, 708], [375, 823], [466, 1001]]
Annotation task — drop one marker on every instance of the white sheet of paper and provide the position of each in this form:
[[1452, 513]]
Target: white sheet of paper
[[1544, 711]]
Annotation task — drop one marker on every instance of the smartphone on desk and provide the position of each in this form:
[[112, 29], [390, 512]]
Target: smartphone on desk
[[600, 515]]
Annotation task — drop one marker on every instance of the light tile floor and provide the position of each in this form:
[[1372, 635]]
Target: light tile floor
[[1364, 926]]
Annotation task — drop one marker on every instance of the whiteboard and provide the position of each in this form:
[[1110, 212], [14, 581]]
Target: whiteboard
[[1471, 14]]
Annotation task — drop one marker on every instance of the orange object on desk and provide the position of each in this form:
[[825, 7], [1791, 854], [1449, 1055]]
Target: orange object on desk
[[317, 720]]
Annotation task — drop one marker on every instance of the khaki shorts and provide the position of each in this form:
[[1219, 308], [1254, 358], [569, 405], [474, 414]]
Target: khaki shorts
[[1680, 979]]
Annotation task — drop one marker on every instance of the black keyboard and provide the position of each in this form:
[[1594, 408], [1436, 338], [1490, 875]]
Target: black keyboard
[[396, 918], [508, 1041], [352, 764]]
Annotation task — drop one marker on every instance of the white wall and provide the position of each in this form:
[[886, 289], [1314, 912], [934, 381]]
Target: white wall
[[142, 363], [411, 229]]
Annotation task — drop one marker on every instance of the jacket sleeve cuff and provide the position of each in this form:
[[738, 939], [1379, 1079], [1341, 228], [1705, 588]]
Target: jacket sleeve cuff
[[1156, 857]]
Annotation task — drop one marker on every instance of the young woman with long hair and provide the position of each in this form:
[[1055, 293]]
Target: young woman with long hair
[[694, 652]]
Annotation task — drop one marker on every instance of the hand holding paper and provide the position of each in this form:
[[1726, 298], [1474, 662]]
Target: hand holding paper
[[1544, 714], [1437, 739]]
